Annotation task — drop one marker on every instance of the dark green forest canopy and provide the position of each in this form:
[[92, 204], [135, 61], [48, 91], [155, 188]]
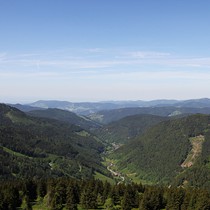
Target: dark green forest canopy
[[37, 147], [65, 116], [127, 128], [155, 147], [158, 154], [72, 194]]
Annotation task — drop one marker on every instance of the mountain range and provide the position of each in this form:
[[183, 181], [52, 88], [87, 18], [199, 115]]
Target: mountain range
[[165, 143], [107, 116], [87, 108]]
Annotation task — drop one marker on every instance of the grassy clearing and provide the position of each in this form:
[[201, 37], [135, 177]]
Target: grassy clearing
[[134, 177], [104, 178], [97, 117], [16, 119], [83, 133], [15, 153]]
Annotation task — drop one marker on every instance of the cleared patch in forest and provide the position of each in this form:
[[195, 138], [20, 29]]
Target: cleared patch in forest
[[16, 119], [195, 152], [18, 154]]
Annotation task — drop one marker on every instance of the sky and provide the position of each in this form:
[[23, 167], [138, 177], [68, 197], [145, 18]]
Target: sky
[[98, 50]]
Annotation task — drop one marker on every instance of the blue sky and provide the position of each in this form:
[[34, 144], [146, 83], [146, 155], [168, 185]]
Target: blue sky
[[96, 50]]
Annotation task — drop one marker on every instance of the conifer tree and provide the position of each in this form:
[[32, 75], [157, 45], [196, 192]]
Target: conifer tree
[[152, 199], [59, 197], [30, 190], [106, 191], [71, 198], [1, 200], [203, 201], [186, 201], [114, 194], [175, 199], [109, 204], [192, 200], [11, 198], [50, 192], [100, 199], [41, 189], [89, 196], [56, 203], [129, 198], [26, 205]]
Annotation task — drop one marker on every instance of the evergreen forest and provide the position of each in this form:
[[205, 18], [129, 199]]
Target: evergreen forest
[[127, 158], [72, 194]]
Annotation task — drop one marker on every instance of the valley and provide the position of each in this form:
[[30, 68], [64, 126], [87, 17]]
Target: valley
[[128, 147], [149, 148]]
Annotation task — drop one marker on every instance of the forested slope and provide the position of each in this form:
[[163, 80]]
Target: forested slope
[[158, 154], [37, 147], [64, 116], [127, 128], [159, 150]]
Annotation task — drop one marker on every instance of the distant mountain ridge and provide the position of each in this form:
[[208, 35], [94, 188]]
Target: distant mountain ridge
[[107, 116], [64, 116], [25, 108], [86, 108]]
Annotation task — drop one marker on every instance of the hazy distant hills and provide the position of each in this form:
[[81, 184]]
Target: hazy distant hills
[[177, 149], [65, 116], [41, 147], [194, 103], [107, 116], [25, 108], [86, 108], [106, 112]]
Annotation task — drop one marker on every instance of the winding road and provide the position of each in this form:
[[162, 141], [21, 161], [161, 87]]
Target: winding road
[[115, 173]]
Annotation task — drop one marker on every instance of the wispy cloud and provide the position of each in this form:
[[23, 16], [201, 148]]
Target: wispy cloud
[[19, 75], [2, 56], [95, 50], [120, 61], [146, 76], [147, 54]]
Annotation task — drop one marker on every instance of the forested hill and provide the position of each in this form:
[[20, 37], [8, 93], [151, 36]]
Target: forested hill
[[37, 147], [127, 128], [65, 116], [159, 150], [107, 116], [177, 149]]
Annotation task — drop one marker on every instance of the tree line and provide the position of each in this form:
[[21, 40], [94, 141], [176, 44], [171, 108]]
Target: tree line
[[71, 194]]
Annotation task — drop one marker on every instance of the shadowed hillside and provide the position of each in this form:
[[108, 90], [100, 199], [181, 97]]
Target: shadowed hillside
[[65, 116], [125, 129], [37, 147]]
